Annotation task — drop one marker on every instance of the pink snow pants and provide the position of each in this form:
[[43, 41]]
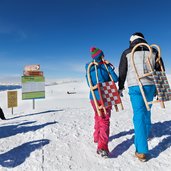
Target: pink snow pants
[[101, 128]]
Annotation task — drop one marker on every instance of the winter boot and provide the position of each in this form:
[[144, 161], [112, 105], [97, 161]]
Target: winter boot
[[141, 156], [103, 153]]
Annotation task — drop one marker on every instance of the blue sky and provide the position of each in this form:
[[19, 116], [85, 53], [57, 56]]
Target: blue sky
[[57, 34]]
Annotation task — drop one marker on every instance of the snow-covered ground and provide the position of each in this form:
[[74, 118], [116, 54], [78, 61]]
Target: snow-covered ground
[[57, 134]]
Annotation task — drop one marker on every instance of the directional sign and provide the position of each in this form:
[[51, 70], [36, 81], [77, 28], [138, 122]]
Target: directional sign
[[33, 87], [34, 67]]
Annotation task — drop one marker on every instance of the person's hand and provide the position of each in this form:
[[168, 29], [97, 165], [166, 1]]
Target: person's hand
[[156, 95], [121, 92]]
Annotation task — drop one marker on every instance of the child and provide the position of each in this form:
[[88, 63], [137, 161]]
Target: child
[[101, 126]]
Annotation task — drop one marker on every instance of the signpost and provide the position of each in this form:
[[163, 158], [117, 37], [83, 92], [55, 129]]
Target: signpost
[[12, 99], [33, 83]]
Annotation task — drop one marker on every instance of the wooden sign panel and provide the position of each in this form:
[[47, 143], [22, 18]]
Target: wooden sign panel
[[12, 99]]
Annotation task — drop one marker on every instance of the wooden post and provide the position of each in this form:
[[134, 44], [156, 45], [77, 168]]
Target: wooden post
[[33, 103]]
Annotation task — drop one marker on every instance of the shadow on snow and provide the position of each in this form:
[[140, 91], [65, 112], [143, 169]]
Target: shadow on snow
[[11, 130], [32, 114], [159, 129], [18, 155]]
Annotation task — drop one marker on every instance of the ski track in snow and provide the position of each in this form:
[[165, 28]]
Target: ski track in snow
[[57, 135]]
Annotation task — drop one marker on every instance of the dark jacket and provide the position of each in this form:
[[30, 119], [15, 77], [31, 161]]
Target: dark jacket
[[2, 114]]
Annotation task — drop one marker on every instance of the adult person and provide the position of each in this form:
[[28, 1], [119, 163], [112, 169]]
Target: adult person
[[2, 116], [141, 117]]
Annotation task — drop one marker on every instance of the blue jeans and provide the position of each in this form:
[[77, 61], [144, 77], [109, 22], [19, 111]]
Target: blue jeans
[[141, 117]]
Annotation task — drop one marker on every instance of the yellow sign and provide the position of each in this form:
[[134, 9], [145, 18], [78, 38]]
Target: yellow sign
[[12, 99]]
